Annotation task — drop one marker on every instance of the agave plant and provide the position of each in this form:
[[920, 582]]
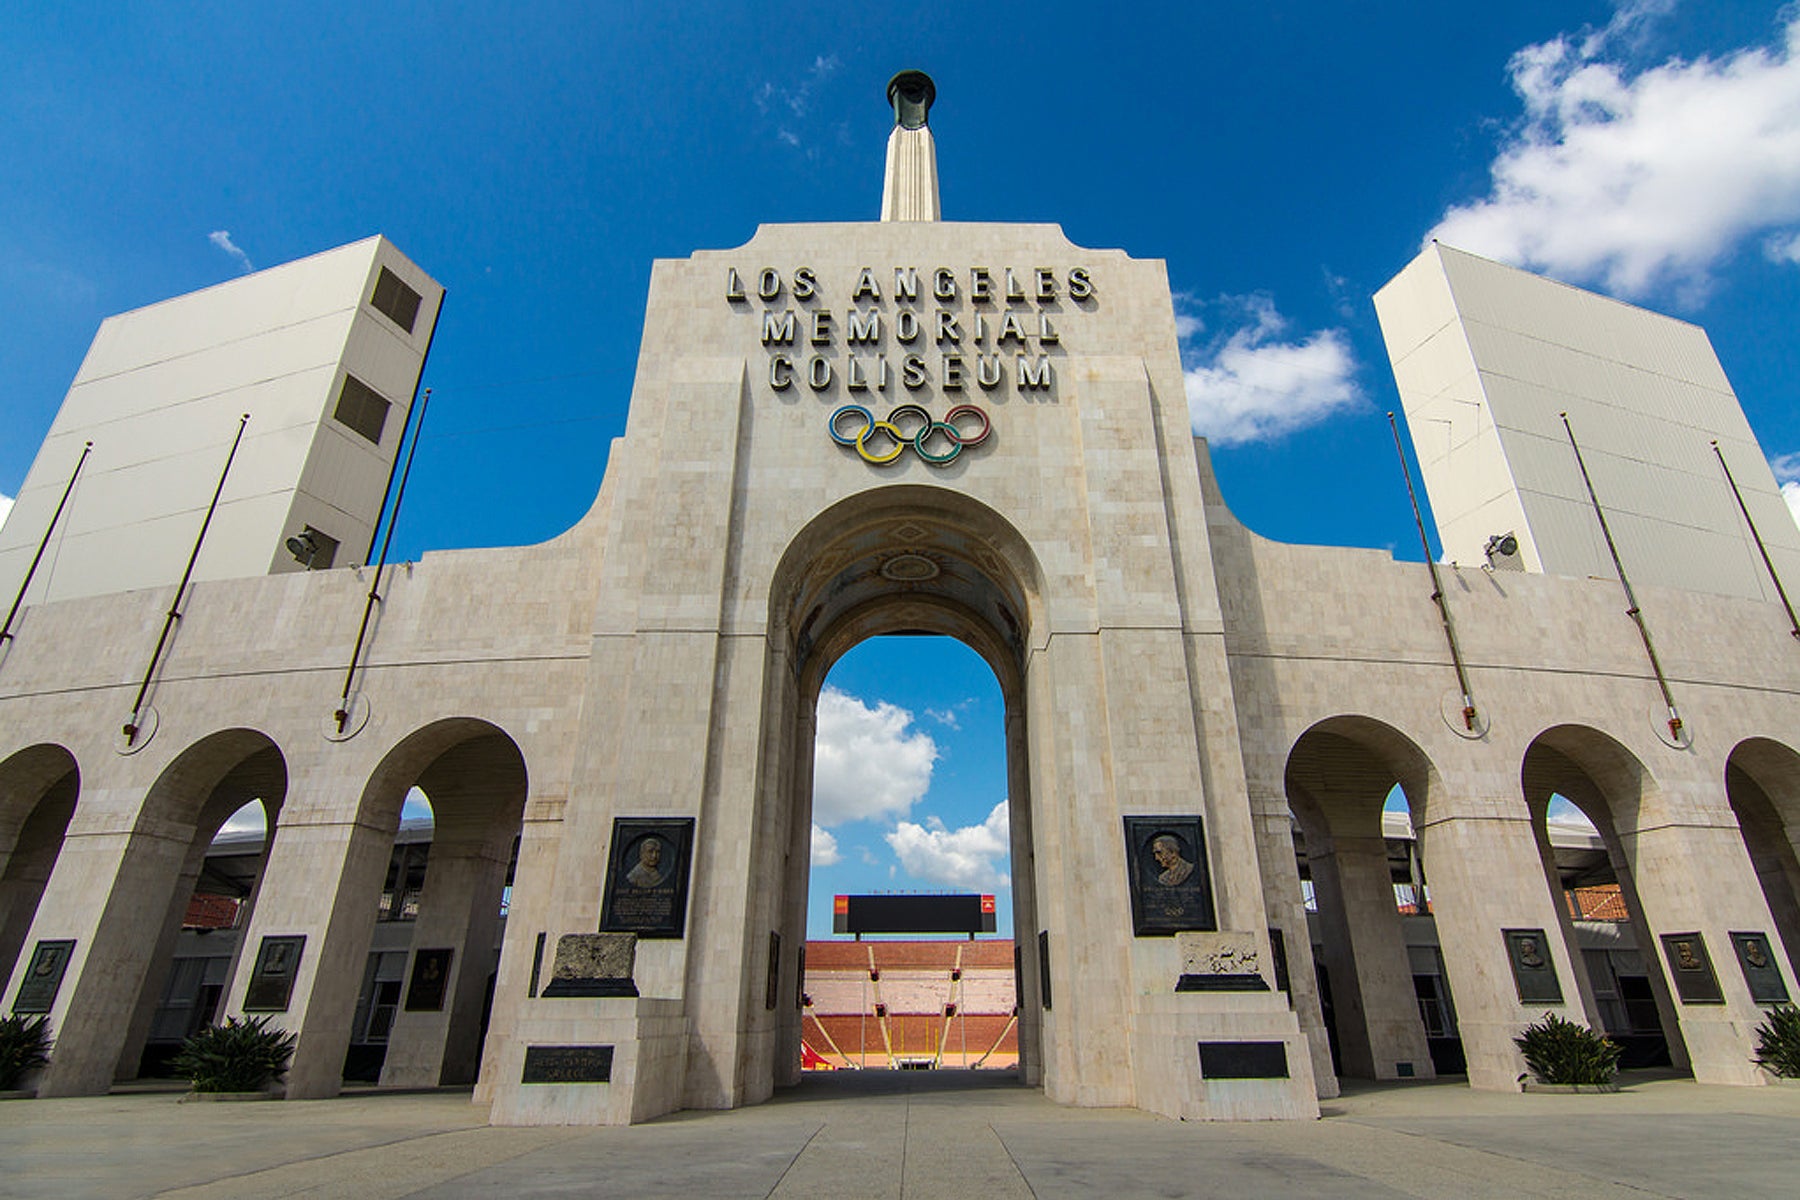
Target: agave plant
[[238, 1056], [24, 1046], [1561, 1052], [1778, 1042]]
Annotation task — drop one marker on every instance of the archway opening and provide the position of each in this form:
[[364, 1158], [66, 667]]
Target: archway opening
[[911, 828], [453, 795], [1357, 790], [1585, 791], [1762, 782], [227, 790], [908, 566], [38, 788]]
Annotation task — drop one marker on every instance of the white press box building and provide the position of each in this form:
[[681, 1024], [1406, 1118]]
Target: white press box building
[[908, 425]]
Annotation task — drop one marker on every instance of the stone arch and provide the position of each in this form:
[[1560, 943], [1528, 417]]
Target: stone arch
[[1338, 776], [38, 788], [901, 559], [1617, 793], [150, 863], [432, 953], [1762, 783], [192, 798]]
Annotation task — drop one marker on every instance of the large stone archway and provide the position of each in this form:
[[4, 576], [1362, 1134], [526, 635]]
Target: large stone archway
[[905, 560]]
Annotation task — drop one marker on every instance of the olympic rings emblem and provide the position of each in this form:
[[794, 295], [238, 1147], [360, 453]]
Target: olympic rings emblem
[[882, 442]]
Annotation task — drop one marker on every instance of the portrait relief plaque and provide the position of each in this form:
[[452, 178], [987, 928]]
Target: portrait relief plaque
[[271, 985], [1534, 974], [647, 877], [1691, 968], [1165, 863], [430, 976], [1757, 958], [43, 978]]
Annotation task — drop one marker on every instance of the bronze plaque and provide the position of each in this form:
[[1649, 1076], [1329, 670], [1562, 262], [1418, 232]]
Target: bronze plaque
[[647, 877], [1691, 968], [430, 976], [43, 978], [1165, 863], [567, 1064], [1534, 974], [1761, 971], [772, 988], [272, 984]]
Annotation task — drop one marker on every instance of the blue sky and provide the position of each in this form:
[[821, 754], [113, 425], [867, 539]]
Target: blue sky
[[1285, 159]]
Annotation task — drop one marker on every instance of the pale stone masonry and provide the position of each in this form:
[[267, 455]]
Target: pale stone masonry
[[782, 491]]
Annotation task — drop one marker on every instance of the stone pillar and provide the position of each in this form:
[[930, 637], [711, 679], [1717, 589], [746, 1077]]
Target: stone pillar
[[322, 880], [1485, 877], [110, 893], [1371, 976], [459, 911], [1697, 877], [1286, 906], [156, 974]]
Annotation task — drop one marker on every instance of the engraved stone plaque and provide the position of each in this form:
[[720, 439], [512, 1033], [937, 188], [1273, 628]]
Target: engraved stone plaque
[[647, 877], [43, 978], [1757, 958], [1165, 863], [430, 975], [1691, 969], [1534, 974], [272, 984], [567, 1064], [594, 964], [1219, 962]]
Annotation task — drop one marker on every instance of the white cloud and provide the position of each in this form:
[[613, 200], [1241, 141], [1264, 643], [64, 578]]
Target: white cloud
[[866, 761], [824, 849], [967, 858], [222, 239], [6, 503], [1254, 386], [1787, 473], [1633, 178]]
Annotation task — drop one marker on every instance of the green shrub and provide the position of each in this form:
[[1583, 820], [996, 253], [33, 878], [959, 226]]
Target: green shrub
[[1562, 1052], [24, 1046], [1778, 1042], [238, 1056]]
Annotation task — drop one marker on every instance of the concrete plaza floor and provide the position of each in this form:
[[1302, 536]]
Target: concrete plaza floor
[[918, 1134]]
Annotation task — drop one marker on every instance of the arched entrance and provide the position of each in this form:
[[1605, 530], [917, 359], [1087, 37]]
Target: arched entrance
[[434, 949], [1381, 978], [255, 774], [1620, 978], [38, 787], [1762, 782], [903, 560]]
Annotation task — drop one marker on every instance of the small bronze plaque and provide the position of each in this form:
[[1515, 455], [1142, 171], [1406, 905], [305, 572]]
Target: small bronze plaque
[[1761, 971], [272, 984], [647, 877], [1691, 968], [1165, 863], [1044, 968], [1243, 1060], [430, 976], [772, 987], [43, 978], [567, 1064], [1534, 974]]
